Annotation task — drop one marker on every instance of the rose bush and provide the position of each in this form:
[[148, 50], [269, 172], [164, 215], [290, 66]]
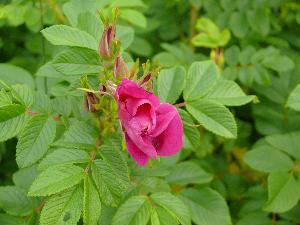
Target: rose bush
[[151, 129]]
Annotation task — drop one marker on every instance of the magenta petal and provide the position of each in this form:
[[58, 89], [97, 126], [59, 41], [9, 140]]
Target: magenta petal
[[140, 157], [170, 141], [164, 115]]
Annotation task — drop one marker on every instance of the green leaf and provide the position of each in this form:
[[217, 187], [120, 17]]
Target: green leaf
[[294, 99], [91, 24], [63, 208], [238, 24], [214, 117], [11, 74], [173, 205], [232, 55], [14, 201], [112, 155], [134, 17], [77, 61], [268, 159], [170, 84], [125, 3], [228, 93], [283, 192], [10, 220], [24, 94], [91, 203], [64, 156], [35, 139], [12, 127], [55, 179], [208, 26], [69, 36], [125, 34], [188, 173], [204, 40], [8, 112], [279, 63], [207, 206], [135, 211], [259, 20], [141, 46], [160, 216], [24, 177], [288, 143], [110, 186], [201, 77]]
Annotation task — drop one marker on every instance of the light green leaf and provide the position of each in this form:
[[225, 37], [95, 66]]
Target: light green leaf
[[63, 208], [279, 63], [91, 24], [12, 74], [91, 203], [77, 61], [24, 94], [201, 77], [288, 143], [134, 17], [283, 192], [24, 177], [125, 3], [188, 173], [56, 179], [170, 84], [64, 156], [207, 206], [135, 211], [228, 93], [294, 99], [10, 220], [173, 206], [110, 186], [14, 201], [12, 127], [35, 139], [69, 36], [204, 40], [125, 34], [214, 117], [266, 158], [160, 216], [9, 112], [208, 26]]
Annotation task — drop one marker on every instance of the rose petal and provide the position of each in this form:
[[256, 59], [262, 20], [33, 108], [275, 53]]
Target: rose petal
[[164, 115], [170, 140], [140, 157], [129, 89]]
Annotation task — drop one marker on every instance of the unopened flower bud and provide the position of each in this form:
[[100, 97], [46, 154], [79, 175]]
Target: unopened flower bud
[[120, 67], [105, 46], [89, 101]]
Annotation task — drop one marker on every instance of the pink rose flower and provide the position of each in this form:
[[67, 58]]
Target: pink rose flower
[[150, 128]]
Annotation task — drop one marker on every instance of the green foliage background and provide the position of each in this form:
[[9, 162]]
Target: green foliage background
[[241, 158]]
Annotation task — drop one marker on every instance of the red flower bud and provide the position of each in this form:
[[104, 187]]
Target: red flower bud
[[120, 67], [105, 49]]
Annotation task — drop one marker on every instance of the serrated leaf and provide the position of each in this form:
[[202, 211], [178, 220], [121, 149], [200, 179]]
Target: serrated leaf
[[110, 186], [14, 201], [134, 17], [69, 36], [160, 216], [61, 105], [90, 23], [228, 93], [268, 159], [10, 220], [294, 99], [280, 187], [8, 112], [77, 61], [63, 208], [42, 103], [24, 177], [55, 179], [188, 173], [12, 127], [64, 156], [173, 205], [24, 94], [201, 77], [214, 117], [35, 139], [125, 34], [207, 206], [91, 203], [170, 84], [135, 211], [288, 143], [278, 63]]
